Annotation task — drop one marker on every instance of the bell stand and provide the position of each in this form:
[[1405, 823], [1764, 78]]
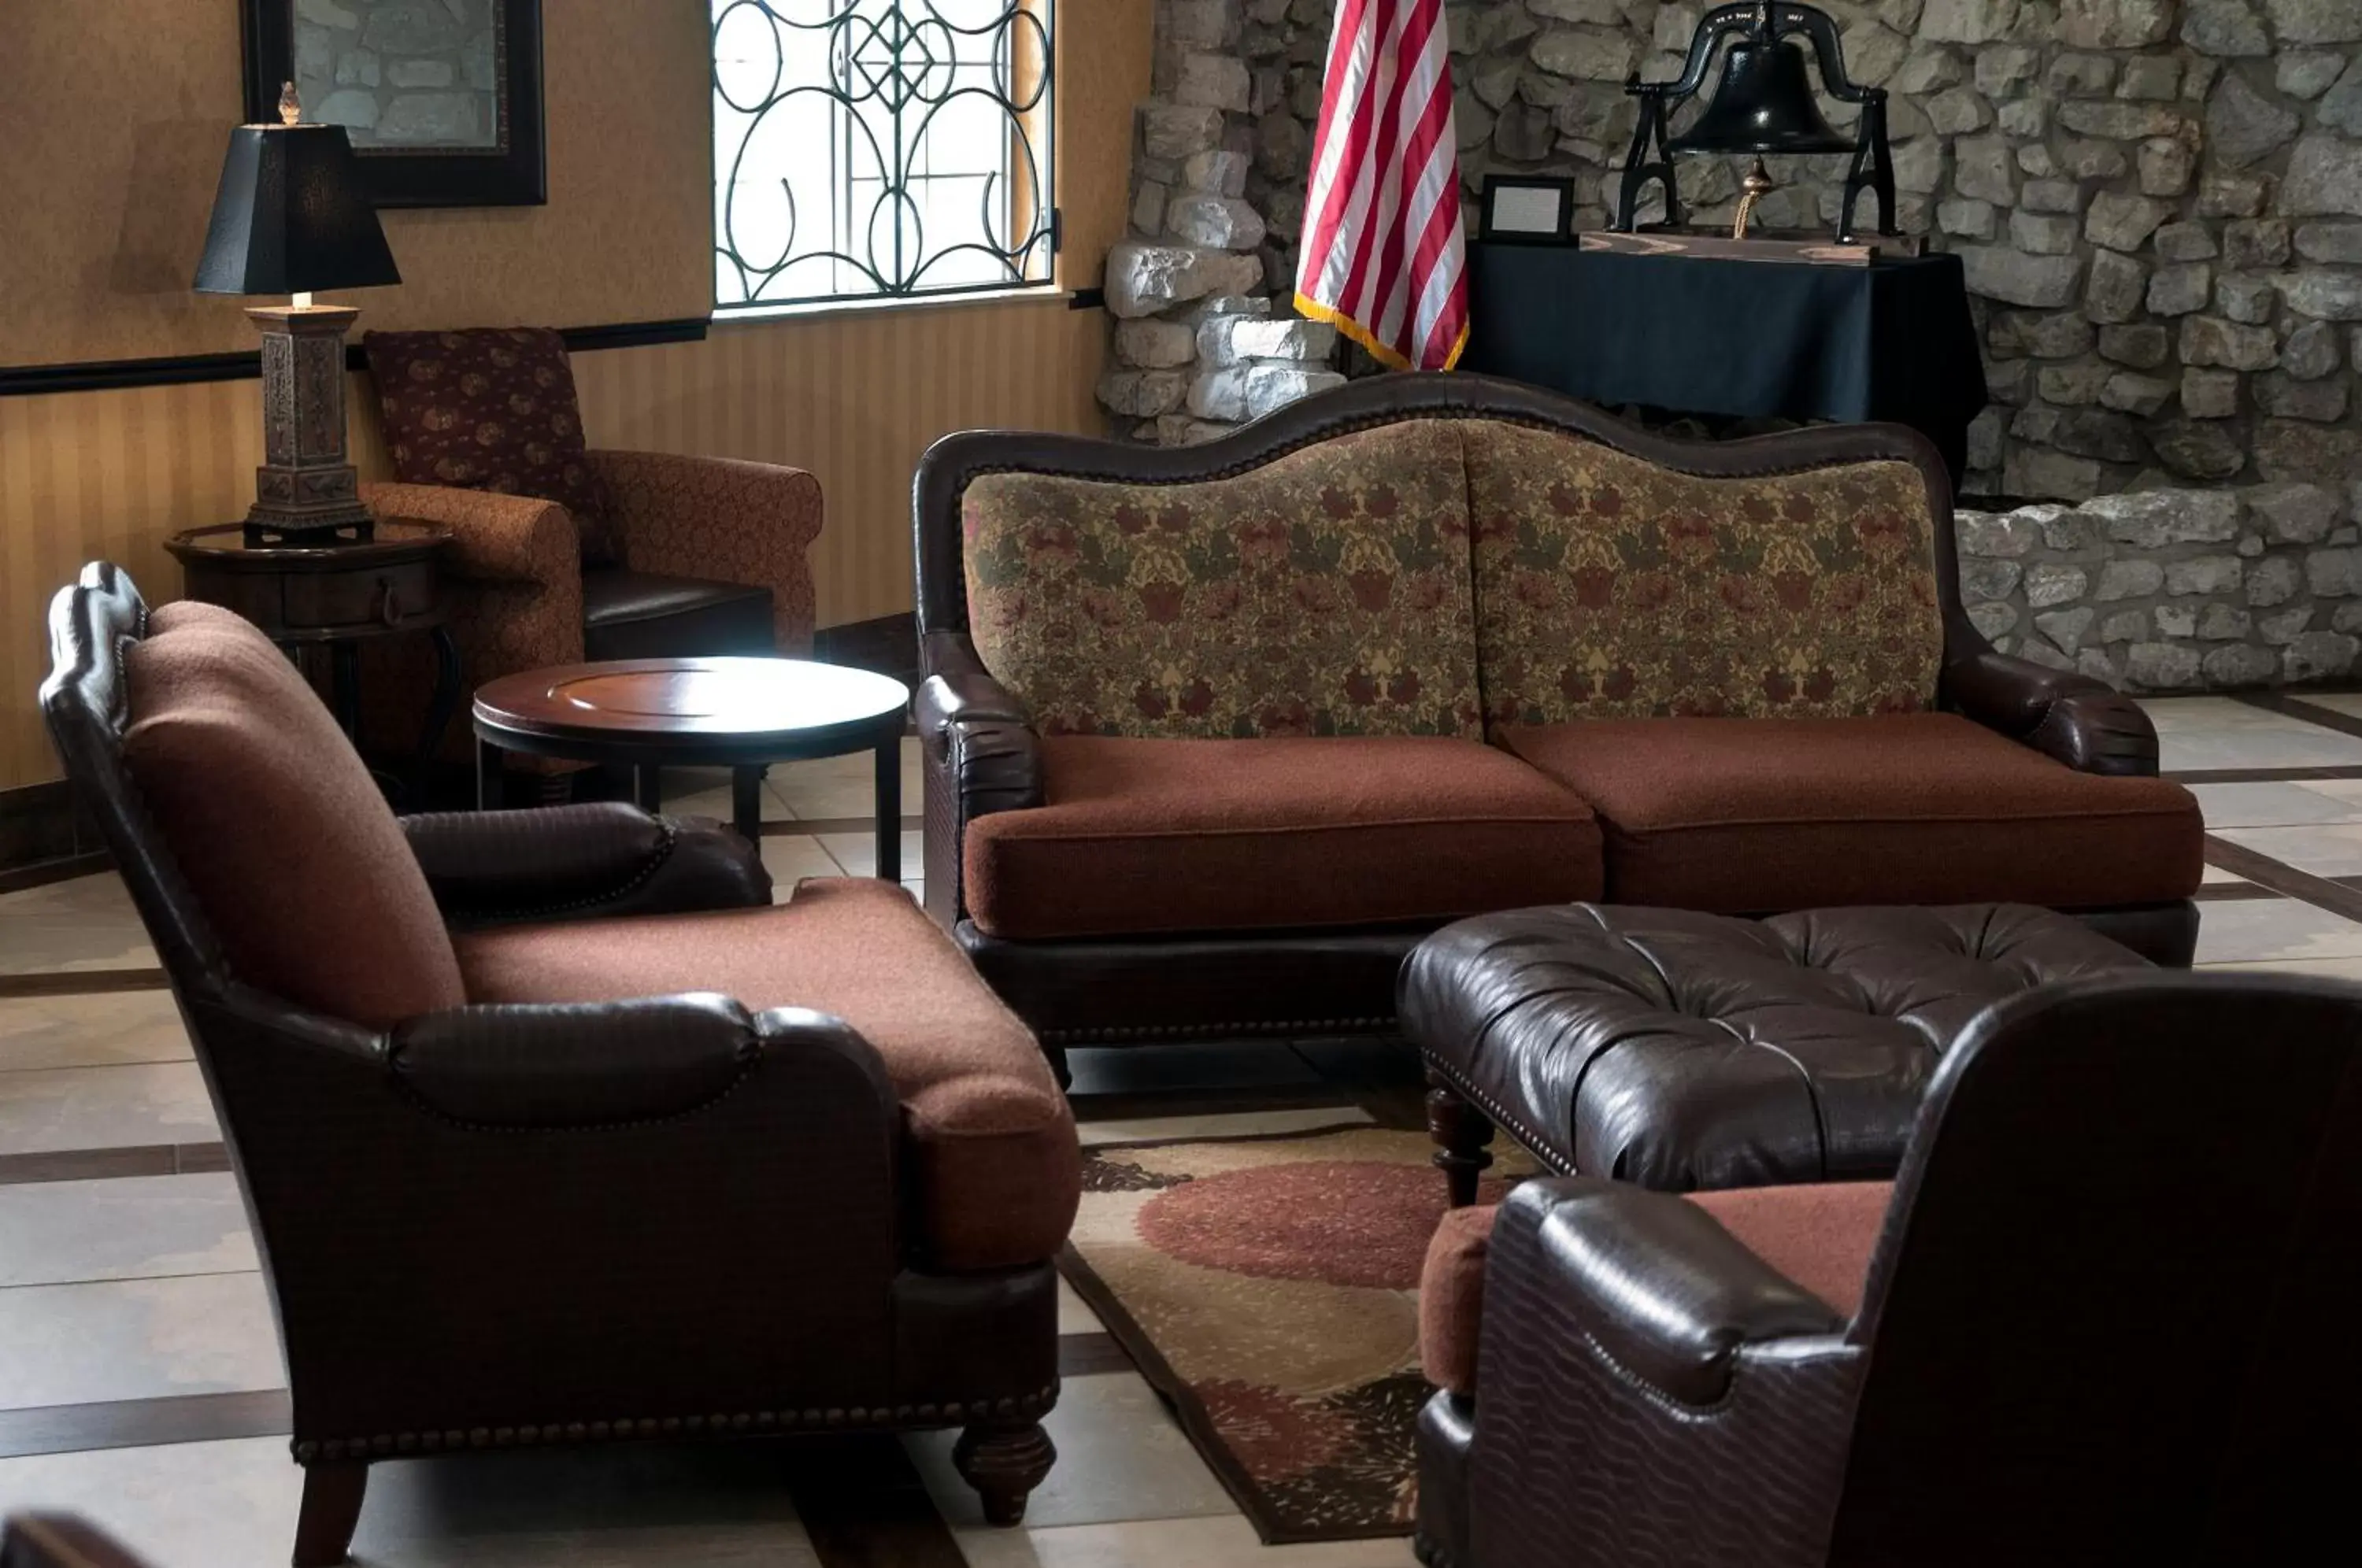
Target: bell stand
[[1872, 167]]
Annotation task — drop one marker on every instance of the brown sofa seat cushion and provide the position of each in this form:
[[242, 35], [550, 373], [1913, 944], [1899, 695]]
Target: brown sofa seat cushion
[[1607, 587], [293, 856], [492, 408], [991, 1145], [1759, 815], [1819, 1235], [1184, 835], [1325, 593]]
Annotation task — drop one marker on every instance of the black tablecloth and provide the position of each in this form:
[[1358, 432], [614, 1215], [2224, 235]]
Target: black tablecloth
[[1891, 340]]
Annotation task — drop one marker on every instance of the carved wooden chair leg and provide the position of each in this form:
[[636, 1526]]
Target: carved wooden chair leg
[[1003, 1462], [1461, 1132], [332, 1507]]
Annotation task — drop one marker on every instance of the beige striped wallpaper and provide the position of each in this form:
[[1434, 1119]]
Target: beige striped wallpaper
[[853, 397]]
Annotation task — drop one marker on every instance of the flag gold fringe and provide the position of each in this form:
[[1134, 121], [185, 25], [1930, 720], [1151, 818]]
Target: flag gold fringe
[[1393, 358]]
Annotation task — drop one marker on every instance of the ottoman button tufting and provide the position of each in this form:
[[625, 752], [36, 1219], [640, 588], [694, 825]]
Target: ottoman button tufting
[[1685, 1051]]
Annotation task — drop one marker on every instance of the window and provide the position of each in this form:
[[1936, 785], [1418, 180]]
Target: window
[[880, 147]]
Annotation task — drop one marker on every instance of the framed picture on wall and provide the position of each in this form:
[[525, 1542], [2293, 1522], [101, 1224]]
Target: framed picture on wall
[[441, 98], [1526, 209]]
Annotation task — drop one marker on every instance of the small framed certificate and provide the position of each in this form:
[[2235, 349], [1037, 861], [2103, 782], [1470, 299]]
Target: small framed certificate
[[1527, 209]]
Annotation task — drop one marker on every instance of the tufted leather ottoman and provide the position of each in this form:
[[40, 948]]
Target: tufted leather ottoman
[[1687, 1050]]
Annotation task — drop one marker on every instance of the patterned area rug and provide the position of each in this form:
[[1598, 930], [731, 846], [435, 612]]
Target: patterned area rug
[[1268, 1287]]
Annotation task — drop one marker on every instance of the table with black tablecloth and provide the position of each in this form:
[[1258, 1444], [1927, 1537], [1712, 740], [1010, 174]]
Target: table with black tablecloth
[[1696, 335]]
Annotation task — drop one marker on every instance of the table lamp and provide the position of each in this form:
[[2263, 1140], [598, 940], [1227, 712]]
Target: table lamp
[[292, 215], [1763, 105]]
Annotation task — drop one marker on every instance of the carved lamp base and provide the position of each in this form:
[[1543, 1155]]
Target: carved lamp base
[[305, 486]]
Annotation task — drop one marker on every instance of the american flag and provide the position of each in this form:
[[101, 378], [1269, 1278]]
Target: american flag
[[1383, 257]]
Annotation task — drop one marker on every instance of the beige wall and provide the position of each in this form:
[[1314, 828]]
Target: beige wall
[[106, 217]]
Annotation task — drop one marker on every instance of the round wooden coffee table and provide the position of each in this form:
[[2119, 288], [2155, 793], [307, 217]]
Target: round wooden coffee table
[[739, 713]]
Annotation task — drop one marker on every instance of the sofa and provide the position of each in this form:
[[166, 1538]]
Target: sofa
[[1214, 735], [2056, 1338]]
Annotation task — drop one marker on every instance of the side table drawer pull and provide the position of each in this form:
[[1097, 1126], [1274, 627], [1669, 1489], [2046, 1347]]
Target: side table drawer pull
[[389, 602]]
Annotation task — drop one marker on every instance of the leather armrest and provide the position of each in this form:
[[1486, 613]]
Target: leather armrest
[[980, 755], [2081, 721], [1656, 1284], [582, 1065], [599, 1064], [575, 862], [972, 725]]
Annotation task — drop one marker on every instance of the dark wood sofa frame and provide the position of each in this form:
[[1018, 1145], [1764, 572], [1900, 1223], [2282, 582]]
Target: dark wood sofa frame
[[533, 1225], [981, 753]]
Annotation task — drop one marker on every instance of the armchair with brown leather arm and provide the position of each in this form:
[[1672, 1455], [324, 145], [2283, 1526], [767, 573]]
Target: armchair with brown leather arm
[[2057, 1338], [553, 1126]]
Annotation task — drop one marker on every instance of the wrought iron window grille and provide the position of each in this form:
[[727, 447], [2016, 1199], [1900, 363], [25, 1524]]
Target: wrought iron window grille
[[876, 148]]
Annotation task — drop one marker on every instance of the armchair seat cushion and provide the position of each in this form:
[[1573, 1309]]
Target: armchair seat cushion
[[1818, 1234], [1745, 816], [992, 1162], [1140, 835], [645, 614]]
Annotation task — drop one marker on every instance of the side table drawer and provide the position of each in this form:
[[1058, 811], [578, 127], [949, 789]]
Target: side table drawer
[[381, 596]]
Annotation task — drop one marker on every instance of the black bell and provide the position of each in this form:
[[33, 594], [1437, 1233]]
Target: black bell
[[1763, 105]]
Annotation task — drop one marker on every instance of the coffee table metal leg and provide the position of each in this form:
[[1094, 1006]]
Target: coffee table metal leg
[[488, 775], [648, 780], [746, 803], [890, 807]]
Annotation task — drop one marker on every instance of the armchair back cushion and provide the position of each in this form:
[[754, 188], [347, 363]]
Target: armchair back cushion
[[1324, 592], [293, 854], [1609, 586], [492, 408]]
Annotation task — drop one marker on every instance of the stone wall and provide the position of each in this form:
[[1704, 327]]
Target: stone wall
[[2155, 202], [2173, 589]]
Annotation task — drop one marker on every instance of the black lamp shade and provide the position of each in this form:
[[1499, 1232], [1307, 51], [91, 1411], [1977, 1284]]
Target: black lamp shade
[[291, 216]]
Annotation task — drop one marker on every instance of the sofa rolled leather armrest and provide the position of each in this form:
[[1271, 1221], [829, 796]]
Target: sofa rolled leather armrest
[[1653, 1282], [980, 754], [2083, 723], [581, 862]]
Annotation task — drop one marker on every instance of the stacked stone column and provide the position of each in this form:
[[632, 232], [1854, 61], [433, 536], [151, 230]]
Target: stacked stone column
[[1199, 288]]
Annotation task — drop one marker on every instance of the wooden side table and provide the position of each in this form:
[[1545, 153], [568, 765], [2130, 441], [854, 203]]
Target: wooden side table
[[739, 713], [336, 594]]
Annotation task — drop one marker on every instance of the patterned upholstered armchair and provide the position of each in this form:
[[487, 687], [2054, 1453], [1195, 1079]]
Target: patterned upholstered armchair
[[659, 555]]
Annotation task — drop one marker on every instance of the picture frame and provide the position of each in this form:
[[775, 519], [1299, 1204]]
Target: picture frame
[[442, 100], [1526, 209]]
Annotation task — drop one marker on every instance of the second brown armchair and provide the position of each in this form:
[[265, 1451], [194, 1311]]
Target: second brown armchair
[[564, 553]]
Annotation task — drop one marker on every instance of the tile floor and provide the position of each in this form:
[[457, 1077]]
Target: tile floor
[[131, 1310]]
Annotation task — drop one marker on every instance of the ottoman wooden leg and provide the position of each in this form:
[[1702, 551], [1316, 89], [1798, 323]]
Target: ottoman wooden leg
[[1461, 1132]]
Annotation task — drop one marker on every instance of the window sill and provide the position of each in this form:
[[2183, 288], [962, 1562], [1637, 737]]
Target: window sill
[[1037, 293]]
